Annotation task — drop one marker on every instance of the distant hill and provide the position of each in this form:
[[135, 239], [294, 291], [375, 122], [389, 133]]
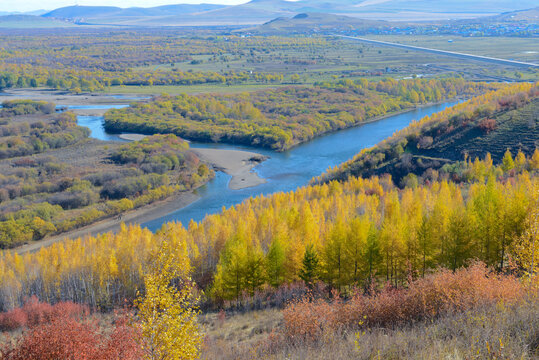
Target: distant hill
[[31, 21], [531, 15], [313, 23], [34, 12], [116, 15], [72, 12], [262, 11]]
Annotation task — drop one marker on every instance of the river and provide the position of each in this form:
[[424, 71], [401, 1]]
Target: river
[[284, 171]]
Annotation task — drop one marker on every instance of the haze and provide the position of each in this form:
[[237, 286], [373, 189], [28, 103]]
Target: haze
[[31, 5]]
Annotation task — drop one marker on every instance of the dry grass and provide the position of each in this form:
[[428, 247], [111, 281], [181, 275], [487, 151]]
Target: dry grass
[[487, 332], [232, 335]]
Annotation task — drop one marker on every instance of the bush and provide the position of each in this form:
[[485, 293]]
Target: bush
[[63, 337], [487, 125], [34, 313], [426, 298], [131, 186]]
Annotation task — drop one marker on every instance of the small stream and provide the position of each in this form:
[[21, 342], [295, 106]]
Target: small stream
[[284, 171]]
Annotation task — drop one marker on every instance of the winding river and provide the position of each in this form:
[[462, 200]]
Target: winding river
[[283, 171]]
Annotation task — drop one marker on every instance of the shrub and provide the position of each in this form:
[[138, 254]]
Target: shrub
[[66, 338], [487, 125], [34, 313], [434, 295]]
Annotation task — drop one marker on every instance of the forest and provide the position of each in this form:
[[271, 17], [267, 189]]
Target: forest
[[280, 119], [46, 190], [331, 240], [326, 262], [344, 234]]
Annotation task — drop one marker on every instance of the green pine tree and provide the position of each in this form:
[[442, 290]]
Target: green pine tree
[[309, 266]]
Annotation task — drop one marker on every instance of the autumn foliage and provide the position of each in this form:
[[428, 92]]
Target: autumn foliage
[[34, 313], [66, 331], [426, 298]]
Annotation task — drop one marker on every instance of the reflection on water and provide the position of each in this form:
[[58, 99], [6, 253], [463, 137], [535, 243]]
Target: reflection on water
[[284, 171]]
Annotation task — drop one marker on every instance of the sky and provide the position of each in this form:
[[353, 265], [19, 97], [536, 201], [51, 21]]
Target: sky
[[30, 5]]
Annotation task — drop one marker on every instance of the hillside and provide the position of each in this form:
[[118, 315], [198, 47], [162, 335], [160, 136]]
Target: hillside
[[314, 23], [531, 15], [493, 123], [72, 12], [161, 15], [31, 21]]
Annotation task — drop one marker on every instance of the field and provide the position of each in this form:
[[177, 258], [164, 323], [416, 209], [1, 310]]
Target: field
[[522, 49], [182, 61]]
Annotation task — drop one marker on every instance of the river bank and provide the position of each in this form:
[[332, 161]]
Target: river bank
[[238, 164], [137, 216], [281, 172]]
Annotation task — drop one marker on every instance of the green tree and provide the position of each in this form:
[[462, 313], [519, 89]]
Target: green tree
[[275, 262], [507, 162], [309, 266], [230, 273]]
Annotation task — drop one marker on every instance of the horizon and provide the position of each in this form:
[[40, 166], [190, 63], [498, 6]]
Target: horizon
[[49, 5]]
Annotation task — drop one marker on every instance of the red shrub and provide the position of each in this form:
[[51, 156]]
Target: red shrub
[[13, 320], [67, 338], [487, 125], [436, 294], [34, 313]]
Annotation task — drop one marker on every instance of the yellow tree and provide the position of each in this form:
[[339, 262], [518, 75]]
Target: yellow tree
[[166, 313], [527, 246]]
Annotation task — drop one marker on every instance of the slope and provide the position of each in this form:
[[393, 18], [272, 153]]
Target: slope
[[493, 123]]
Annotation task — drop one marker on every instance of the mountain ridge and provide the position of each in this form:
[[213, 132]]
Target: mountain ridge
[[262, 11]]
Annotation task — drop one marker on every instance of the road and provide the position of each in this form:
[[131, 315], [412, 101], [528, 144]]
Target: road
[[446, 53]]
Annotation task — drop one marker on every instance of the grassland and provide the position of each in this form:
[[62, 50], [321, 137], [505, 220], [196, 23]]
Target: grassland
[[343, 58], [522, 49], [488, 332], [179, 61]]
